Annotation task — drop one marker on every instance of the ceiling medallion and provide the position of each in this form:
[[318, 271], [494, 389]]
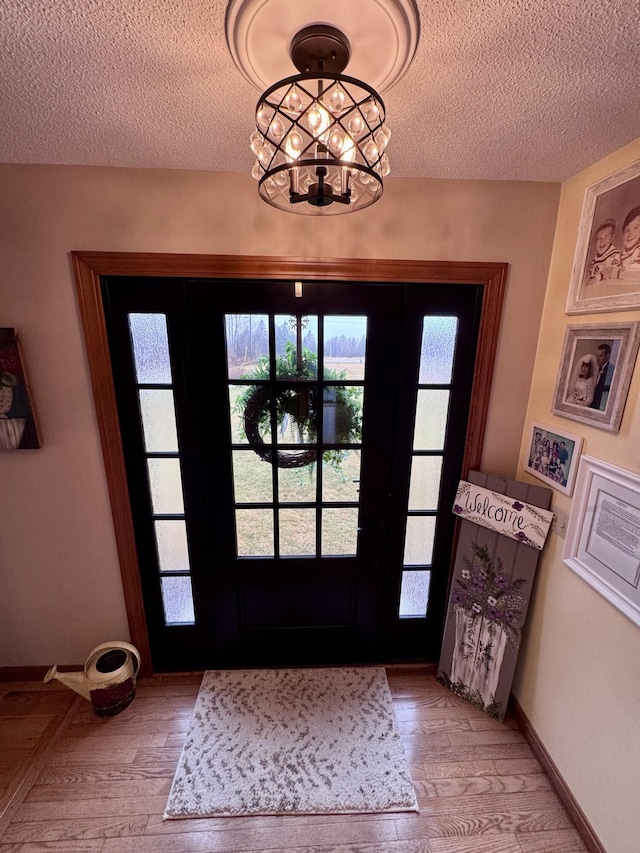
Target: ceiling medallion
[[321, 136]]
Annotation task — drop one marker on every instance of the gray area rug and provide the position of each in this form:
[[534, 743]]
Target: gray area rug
[[292, 741]]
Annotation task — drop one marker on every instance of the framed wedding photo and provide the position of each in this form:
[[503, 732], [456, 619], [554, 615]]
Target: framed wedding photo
[[553, 456], [595, 372], [603, 534], [606, 267]]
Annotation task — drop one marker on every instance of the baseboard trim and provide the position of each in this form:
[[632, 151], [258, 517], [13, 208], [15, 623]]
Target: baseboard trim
[[570, 803], [31, 673]]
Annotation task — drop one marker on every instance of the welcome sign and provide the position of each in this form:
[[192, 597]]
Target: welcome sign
[[503, 526], [526, 523]]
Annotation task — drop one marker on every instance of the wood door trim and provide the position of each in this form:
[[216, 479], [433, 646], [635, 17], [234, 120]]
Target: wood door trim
[[90, 266]]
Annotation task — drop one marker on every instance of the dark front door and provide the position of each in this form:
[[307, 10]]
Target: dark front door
[[292, 452]]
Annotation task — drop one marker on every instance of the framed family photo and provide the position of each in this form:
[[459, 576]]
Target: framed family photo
[[606, 267], [553, 456], [595, 372], [603, 534]]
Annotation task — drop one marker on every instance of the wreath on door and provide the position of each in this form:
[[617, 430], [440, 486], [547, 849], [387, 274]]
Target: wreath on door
[[296, 410]]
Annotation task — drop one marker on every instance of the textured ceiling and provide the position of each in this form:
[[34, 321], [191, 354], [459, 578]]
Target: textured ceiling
[[498, 89]]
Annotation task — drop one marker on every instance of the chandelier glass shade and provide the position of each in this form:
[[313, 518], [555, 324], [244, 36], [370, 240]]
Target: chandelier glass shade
[[320, 143]]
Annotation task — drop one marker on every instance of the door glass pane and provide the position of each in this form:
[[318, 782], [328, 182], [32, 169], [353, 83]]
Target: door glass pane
[[296, 346], [252, 480], [414, 594], [150, 348], [436, 353], [297, 532], [158, 420], [340, 475], [340, 532], [342, 414], [254, 532], [424, 486], [345, 342], [247, 340], [418, 545], [297, 484], [165, 483], [238, 435], [171, 543], [296, 414], [177, 599], [249, 414], [431, 420]]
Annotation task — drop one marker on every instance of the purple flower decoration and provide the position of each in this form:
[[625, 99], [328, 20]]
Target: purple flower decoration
[[501, 581], [510, 616], [457, 597], [517, 505], [457, 509], [522, 537], [477, 584], [492, 613]]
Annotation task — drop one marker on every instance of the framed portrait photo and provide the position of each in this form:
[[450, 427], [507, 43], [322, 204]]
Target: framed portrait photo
[[595, 372], [553, 456], [606, 267], [602, 544]]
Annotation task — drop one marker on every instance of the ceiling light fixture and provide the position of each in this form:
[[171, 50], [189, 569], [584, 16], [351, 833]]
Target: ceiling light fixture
[[320, 139]]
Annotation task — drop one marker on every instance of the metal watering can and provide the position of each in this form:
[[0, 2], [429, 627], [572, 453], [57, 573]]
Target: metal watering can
[[108, 680]]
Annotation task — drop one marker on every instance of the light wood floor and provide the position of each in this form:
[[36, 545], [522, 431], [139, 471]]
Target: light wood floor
[[72, 783]]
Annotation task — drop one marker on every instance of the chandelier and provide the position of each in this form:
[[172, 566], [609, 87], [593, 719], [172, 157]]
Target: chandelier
[[321, 138]]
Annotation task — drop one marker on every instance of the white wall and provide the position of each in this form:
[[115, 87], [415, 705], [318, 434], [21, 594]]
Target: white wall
[[60, 588], [578, 676]]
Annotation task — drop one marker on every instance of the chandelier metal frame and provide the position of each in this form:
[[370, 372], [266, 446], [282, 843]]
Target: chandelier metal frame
[[320, 135]]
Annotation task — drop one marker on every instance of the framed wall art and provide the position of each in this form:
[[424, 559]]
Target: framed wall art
[[595, 372], [18, 425], [606, 267], [553, 456], [603, 535]]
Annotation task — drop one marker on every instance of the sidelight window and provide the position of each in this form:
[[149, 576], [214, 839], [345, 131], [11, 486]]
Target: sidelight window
[[433, 395], [156, 403]]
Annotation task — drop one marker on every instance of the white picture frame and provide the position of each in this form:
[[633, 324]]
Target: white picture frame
[[553, 455], [602, 406], [602, 544], [607, 278]]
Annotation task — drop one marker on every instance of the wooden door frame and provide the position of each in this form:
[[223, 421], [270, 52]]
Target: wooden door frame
[[90, 266]]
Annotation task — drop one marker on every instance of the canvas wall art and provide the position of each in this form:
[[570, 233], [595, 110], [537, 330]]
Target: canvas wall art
[[18, 425]]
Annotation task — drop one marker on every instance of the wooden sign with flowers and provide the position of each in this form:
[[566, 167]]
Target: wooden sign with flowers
[[504, 524]]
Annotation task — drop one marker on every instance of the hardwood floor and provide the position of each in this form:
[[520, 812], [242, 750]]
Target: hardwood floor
[[73, 783]]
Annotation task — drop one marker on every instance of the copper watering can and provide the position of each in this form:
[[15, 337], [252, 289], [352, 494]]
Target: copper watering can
[[108, 680]]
